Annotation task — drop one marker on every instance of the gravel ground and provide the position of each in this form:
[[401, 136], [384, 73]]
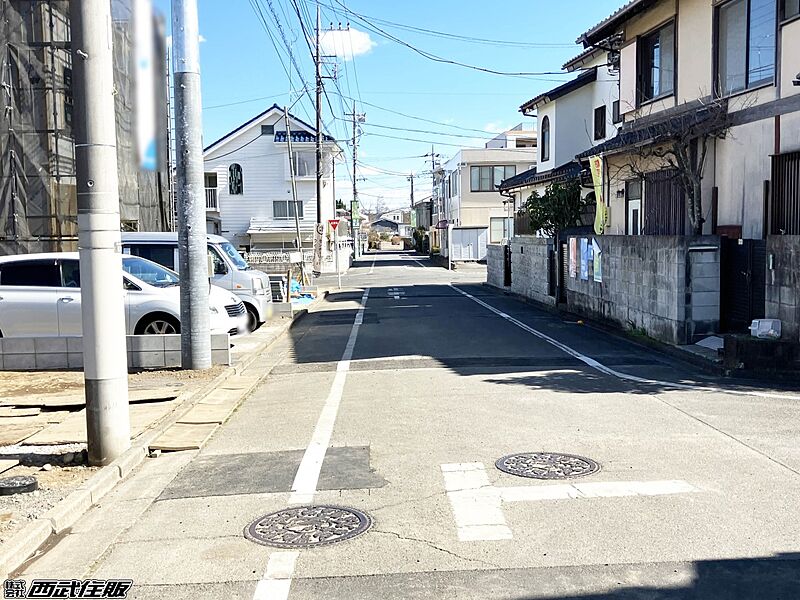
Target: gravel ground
[[19, 509]]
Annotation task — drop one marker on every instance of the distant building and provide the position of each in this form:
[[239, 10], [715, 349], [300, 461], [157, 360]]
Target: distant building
[[249, 188]]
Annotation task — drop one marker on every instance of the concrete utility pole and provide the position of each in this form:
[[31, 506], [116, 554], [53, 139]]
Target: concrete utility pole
[[411, 179], [354, 209], [294, 195], [317, 60], [105, 361], [189, 184]]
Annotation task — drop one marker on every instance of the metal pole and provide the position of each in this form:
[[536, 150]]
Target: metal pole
[[192, 244], [319, 123], [294, 195], [105, 362]]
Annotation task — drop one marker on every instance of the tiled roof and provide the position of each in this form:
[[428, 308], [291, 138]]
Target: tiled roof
[[532, 177], [611, 24], [587, 76], [301, 136]]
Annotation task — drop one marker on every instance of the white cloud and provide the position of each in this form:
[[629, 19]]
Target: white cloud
[[346, 43], [201, 39], [496, 127]]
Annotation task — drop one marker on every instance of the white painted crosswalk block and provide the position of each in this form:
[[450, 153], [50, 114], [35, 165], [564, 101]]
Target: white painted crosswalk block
[[478, 506]]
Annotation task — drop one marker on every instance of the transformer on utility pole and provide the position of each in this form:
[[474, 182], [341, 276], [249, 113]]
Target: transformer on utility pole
[[105, 362], [189, 185]]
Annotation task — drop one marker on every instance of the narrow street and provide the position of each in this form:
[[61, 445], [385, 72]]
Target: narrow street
[[396, 397]]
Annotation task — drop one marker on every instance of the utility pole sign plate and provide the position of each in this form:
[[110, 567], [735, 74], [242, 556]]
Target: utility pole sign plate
[[334, 223]]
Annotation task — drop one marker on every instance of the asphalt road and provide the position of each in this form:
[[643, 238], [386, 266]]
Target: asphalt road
[[396, 397]]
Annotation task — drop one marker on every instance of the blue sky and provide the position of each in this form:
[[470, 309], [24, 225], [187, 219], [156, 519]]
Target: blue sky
[[242, 74]]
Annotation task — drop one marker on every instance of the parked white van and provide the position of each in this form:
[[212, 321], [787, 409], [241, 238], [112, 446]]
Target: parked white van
[[40, 296], [231, 271]]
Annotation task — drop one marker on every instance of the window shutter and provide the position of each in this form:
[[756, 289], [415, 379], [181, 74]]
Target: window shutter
[[627, 79]]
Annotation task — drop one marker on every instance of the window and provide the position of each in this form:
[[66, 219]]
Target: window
[[600, 123], [633, 202], [162, 254], [486, 179], [235, 182], [616, 117], [545, 139], [71, 273], [36, 273], [745, 44], [789, 9], [500, 229], [151, 273], [454, 183], [267, 129], [304, 164], [657, 63], [284, 209], [220, 268]]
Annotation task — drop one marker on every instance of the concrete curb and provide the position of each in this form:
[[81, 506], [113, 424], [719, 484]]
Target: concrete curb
[[26, 542]]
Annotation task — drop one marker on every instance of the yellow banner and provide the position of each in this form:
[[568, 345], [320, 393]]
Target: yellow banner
[[601, 215]]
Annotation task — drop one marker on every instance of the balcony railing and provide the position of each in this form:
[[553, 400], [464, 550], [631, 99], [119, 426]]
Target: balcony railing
[[211, 199]]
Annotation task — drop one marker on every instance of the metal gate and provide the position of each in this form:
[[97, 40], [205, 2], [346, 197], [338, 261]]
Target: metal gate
[[469, 243], [563, 273], [506, 265], [743, 268]]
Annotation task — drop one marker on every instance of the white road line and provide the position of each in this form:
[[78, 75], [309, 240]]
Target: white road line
[[277, 579], [305, 481], [372, 268], [478, 506], [613, 372]]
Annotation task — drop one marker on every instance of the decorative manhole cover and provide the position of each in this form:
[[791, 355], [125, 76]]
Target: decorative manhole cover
[[547, 465], [307, 526], [18, 485]]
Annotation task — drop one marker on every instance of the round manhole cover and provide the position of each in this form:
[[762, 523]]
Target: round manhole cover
[[547, 465], [18, 485], [308, 526]]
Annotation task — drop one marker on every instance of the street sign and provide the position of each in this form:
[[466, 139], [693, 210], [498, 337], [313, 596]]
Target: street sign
[[334, 223]]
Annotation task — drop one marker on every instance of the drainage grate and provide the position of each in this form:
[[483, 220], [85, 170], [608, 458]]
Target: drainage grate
[[547, 465], [308, 526]]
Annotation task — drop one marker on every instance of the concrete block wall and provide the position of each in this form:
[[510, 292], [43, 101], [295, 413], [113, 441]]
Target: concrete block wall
[[664, 285], [783, 284], [494, 265], [144, 351], [530, 269]]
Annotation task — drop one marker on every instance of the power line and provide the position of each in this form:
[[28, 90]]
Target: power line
[[434, 57], [457, 135], [464, 38]]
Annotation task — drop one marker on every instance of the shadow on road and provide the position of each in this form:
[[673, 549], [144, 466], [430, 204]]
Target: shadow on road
[[432, 325], [770, 578]]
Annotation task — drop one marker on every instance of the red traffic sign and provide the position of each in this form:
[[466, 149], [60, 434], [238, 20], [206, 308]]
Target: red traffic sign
[[334, 223]]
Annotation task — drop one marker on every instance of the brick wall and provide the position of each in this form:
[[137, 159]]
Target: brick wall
[[783, 283]]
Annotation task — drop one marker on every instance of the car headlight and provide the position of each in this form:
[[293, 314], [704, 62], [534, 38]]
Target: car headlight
[[213, 310]]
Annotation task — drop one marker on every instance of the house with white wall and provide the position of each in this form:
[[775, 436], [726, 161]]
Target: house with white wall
[[248, 182], [571, 118], [467, 196]]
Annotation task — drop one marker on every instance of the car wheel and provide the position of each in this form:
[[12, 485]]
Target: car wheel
[[252, 320], [160, 326]]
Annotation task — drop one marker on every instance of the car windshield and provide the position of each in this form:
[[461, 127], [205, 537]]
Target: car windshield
[[234, 255], [149, 272]]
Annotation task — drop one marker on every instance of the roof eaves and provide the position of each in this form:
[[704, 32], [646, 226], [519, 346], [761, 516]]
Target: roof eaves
[[578, 82], [575, 63], [611, 24], [240, 127]]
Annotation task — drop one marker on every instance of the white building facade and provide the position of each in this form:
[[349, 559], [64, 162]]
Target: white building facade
[[249, 186]]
